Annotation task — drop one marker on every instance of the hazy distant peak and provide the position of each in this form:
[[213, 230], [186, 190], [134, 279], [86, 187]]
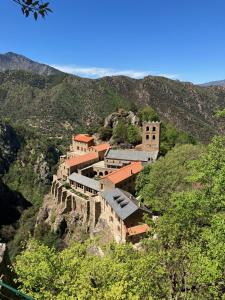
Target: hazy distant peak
[[217, 83], [14, 61]]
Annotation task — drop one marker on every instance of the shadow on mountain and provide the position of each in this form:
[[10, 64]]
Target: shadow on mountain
[[12, 205]]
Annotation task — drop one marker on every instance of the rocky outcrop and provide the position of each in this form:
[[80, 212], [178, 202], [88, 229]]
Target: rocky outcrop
[[44, 164], [126, 116], [67, 223]]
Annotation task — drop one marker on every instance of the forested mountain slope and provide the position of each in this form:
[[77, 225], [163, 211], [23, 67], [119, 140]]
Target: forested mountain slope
[[60, 104]]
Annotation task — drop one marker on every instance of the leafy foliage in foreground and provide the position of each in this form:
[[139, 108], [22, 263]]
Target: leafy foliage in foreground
[[76, 273], [183, 257]]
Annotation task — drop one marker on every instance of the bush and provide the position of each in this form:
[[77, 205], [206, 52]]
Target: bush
[[148, 114], [120, 134], [133, 135], [105, 133]]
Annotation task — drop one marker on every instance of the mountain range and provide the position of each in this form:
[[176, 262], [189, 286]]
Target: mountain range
[[59, 104], [14, 61], [216, 83]]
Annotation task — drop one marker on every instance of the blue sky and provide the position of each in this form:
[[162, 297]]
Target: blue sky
[[183, 39]]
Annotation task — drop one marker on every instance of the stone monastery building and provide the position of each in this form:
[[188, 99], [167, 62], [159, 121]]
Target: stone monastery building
[[98, 182]]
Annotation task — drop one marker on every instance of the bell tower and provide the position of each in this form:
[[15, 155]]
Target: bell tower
[[151, 136]]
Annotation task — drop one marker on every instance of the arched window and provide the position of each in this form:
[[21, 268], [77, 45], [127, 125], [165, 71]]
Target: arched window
[[100, 174], [147, 137], [153, 128], [147, 128], [153, 137], [106, 172]]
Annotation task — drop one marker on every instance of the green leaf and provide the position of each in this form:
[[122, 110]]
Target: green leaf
[[35, 15]]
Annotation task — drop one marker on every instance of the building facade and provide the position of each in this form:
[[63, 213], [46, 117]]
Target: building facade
[[98, 182], [151, 136]]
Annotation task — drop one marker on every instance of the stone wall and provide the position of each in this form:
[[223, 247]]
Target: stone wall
[[70, 201], [115, 224]]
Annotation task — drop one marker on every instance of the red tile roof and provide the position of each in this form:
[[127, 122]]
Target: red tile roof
[[75, 161], [101, 147], [137, 229], [84, 138], [124, 173]]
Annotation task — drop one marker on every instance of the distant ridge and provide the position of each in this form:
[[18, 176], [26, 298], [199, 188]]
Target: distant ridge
[[214, 83], [13, 61]]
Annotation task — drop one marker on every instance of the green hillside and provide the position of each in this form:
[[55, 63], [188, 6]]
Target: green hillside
[[60, 104]]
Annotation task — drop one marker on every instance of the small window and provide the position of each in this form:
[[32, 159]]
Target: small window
[[147, 128], [154, 128], [147, 137], [153, 137]]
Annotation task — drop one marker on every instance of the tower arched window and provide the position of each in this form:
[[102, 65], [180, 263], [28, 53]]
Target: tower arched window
[[153, 137], [147, 128], [153, 128], [147, 137]]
